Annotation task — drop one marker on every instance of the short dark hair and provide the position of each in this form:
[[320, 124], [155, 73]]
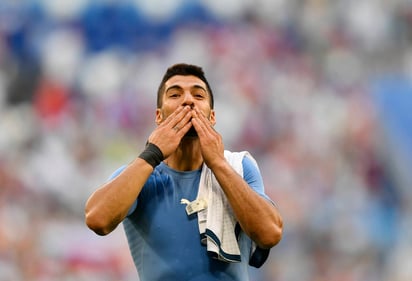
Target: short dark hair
[[185, 70]]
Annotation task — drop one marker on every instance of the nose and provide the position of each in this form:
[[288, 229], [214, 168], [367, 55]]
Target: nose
[[188, 99]]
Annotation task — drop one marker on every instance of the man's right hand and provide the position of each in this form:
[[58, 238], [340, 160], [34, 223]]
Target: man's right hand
[[169, 133]]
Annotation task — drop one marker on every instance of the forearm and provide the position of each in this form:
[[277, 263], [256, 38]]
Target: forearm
[[109, 204], [258, 217]]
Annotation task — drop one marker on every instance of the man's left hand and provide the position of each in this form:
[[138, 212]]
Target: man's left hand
[[211, 143]]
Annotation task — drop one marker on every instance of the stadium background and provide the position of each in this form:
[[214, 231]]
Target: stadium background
[[319, 91]]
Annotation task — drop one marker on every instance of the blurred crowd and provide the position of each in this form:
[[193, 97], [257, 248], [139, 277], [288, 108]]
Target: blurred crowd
[[293, 85]]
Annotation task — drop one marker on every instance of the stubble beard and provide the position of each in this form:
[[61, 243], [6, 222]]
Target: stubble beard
[[192, 133]]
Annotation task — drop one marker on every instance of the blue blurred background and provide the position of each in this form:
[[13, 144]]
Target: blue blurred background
[[319, 91]]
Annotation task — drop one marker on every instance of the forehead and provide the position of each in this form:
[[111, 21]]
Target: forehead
[[185, 82]]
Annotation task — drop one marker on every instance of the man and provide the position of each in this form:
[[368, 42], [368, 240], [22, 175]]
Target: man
[[190, 209]]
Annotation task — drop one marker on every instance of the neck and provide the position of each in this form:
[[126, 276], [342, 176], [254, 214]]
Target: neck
[[187, 156]]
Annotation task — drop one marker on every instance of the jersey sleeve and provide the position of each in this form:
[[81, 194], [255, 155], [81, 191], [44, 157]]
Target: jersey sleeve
[[253, 177], [117, 172]]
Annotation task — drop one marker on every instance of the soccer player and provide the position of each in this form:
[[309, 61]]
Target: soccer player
[[191, 210]]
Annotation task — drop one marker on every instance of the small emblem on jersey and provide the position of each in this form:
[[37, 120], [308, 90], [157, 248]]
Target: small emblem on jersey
[[194, 206]]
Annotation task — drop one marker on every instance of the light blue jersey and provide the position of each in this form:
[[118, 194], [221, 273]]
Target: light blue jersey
[[165, 242]]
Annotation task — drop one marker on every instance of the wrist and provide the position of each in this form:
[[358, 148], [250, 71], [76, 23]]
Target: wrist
[[218, 163], [152, 155]]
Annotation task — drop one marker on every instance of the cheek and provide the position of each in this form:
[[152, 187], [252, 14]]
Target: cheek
[[164, 113]]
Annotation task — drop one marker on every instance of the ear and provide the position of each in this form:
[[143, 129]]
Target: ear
[[212, 117], [159, 116]]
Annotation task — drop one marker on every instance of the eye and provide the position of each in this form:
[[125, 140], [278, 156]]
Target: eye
[[199, 95], [174, 95]]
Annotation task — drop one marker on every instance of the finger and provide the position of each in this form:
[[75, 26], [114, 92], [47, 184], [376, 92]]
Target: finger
[[202, 128], [183, 130], [176, 115], [183, 122], [203, 124], [198, 126]]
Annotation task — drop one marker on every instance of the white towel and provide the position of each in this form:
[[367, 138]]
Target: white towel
[[217, 223]]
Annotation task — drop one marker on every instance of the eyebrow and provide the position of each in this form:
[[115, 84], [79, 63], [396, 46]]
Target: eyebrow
[[196, 86]]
